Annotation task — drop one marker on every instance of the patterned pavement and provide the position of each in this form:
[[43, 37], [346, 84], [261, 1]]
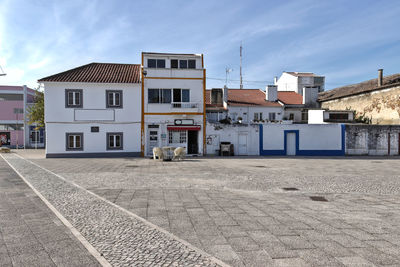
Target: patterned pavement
[[236, 210]]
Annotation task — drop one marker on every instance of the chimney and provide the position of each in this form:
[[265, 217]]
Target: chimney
[[216, 96], [380, 77], [275, 80], [271, 93]]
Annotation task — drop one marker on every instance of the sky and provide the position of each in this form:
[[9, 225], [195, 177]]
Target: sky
[[346, 41]]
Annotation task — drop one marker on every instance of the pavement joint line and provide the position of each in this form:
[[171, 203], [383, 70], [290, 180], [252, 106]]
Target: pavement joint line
[[187, 244], [73, 230]]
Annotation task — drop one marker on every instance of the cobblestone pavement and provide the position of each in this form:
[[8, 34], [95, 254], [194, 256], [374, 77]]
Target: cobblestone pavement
[[236, 209], [30, 234], [121, 238]]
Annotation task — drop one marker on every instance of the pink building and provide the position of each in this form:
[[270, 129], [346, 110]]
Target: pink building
[[14, 101]]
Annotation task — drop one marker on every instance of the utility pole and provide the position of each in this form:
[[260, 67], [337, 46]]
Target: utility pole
[[241, 78]]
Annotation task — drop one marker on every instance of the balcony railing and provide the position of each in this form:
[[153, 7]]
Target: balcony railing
[[184, 105]]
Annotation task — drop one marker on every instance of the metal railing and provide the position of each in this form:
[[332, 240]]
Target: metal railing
[[184, 105]]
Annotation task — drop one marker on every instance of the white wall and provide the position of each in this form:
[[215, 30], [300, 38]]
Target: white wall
[[247, 113], [92, 142], [311, 137], [288, 82], [94, 97], [61, 120], [316, 116], [217, 133]]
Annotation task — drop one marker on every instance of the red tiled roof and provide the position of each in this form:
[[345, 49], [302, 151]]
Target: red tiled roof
[[98, 73], [360, 88], [249, 97], [290, 98]]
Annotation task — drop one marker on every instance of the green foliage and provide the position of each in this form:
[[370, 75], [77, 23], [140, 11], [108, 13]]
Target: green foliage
[[36, 111]]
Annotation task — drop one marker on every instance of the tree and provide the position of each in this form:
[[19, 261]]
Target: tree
[[36, 111]]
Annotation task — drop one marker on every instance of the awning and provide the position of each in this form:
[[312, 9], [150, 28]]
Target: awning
[[184, 127]]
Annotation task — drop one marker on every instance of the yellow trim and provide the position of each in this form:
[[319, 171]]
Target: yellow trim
[[202, 61], [204, 109], [174, 113], [174, 78], [142, 114]]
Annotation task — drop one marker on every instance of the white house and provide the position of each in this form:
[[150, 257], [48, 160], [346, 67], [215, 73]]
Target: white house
[[93, 110], [297, 81], [246, 106], [173, 101]]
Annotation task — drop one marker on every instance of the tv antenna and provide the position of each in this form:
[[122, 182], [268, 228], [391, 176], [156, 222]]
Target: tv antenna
[[241, 78], [227, 71], [2, 72]]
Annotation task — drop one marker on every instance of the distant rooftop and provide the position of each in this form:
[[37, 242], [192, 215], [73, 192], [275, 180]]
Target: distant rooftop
[[98, 73], [302, 74], [360, 88]]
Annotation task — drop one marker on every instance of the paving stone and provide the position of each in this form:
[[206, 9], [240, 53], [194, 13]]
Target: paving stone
[[355, 261], [295, 242], [243, 244]]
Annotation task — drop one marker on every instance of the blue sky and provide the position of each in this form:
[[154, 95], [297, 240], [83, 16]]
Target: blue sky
[[347, 41]]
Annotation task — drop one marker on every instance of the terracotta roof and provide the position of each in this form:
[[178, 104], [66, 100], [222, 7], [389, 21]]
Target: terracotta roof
[[98, 73], [210, 106], [249, 97], [297, 74], [290, 98], [360, 88]]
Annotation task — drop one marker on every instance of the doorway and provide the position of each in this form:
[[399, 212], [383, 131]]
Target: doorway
[[242, 150], [193, 146], [291, 144], [153, 139]]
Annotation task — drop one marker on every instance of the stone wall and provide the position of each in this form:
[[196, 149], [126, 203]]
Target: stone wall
[[372, 139], [381, 107]]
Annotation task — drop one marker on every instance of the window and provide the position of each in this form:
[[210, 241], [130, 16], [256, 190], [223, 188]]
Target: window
[[74, 141], [114, 98], [258, 116], [181, 95], [271, 116], [183, 64], [177, 137], [191, 64], [174, 63], [73, 98], [338, 116], [114, 141], [35, 136], [158, 96], [291, 116], [156, 63], [304, 116]]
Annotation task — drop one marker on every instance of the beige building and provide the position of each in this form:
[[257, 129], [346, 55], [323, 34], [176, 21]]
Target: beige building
[[375, 101]]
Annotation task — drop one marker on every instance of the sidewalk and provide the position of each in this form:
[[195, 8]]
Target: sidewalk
[[30, 234]]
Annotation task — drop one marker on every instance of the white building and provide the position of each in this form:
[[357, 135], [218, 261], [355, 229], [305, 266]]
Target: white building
[[297, 81], [173, 101], [93, 110], [246, 106]]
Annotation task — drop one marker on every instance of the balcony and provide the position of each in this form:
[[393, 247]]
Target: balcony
[[185, 106]]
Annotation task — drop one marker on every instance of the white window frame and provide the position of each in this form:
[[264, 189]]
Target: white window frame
[[182, 137], [37, 134], [74, 138], [114, 98], [114, 136]]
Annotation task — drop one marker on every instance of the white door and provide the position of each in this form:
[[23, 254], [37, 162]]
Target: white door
[[153, 140], [242, 150], [291, 144]]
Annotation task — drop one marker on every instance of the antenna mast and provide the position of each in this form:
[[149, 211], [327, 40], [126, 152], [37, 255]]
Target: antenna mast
[[2, 72], [241, 78]]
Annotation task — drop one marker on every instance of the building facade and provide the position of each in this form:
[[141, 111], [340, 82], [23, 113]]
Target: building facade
[[173, 102], [14, 129], [375, 101], [93, 111], [296, 81]]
